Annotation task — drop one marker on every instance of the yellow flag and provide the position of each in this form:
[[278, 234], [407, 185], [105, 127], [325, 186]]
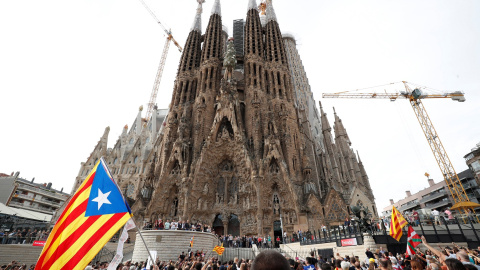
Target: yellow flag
[[396, 224]]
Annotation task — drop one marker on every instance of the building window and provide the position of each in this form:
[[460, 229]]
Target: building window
[[476, 166]]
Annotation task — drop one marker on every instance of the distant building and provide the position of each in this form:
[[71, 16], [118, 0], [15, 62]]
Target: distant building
[[238, 35], [436, 196], [473, 162], [23, 194]]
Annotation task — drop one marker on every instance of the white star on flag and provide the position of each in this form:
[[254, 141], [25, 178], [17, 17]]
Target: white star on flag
[[102, 198]]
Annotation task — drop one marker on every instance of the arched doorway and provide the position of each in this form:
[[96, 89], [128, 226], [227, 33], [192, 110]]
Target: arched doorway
[[277, 233], [218, 225], [233, 225]]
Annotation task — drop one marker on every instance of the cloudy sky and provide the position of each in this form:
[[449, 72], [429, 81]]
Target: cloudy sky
[[68, 69]]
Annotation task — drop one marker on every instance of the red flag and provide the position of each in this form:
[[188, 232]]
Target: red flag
[[413, 241]]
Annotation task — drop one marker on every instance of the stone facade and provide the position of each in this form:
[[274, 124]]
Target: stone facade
[[132, 155], [170, 244], [243, 147], [303, 93]]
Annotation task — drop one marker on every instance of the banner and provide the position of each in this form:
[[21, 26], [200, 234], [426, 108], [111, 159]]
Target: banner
[[149, 261], [349, 242], [121, 241], [37, 243]]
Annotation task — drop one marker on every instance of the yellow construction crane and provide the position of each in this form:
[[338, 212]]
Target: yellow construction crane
[[163, 59], [415, 97]]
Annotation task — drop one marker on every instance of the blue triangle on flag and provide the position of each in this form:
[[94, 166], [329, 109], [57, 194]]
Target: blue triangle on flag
[[105, 197]]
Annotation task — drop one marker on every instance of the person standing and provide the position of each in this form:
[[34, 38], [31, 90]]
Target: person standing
[[167, 225], [310, 264], [161, 226], [416, 218], [449, 215], [470, 215], [436, 216]]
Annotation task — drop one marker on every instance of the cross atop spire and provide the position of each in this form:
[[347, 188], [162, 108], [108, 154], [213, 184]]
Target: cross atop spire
[[197, 22], [271, 16], [217, 8]]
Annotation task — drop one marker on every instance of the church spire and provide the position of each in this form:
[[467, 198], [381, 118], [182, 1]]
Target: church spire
[[339, 129], [271, 16], [217, 8], [197, 22], [193, 46], [325, 124], [252, 4], [213, 44], [274, 46], [253, 39]]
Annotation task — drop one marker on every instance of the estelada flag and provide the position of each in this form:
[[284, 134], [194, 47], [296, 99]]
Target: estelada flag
[[93, 215], [191, 241], [219, 249], [396, 224], [413, 241]]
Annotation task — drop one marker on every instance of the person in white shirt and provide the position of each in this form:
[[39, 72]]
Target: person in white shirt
[[436, 215], [174, 225]]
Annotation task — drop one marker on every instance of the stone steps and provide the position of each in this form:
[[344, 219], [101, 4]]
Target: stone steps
[[26, 254], [170, 244]]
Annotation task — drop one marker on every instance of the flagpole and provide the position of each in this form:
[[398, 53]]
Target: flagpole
[[145, 243], [139, 232]]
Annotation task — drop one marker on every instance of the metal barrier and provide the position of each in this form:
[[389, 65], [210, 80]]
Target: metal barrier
[[454, 230]]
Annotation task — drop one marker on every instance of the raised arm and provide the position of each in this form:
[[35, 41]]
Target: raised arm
[[435, 251]]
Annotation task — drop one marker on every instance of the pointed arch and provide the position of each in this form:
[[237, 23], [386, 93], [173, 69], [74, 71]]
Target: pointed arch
[[225, 129]]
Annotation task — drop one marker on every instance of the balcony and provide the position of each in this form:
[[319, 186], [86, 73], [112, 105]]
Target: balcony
[[469, 185], [32, 208], [43, 192], [408, 206], [434, 196], [23, 196], [45, 201], [38, 200], [438, 204]]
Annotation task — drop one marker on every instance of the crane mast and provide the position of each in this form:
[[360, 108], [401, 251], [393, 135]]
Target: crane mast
[[163, 59], [158, 79], [415, 98], [446, 167]]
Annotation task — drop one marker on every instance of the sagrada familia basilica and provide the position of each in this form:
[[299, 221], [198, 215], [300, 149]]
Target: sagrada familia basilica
[[242, 145]]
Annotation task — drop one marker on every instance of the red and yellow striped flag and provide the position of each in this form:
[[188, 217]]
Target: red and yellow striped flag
[[93, 215], [219, 249], [396, 224]]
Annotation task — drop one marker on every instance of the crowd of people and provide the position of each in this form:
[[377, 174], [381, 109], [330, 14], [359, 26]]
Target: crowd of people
[[456, 258], [14, 265], [177, 225], [449, 258], [25, 236], [436, 217]]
